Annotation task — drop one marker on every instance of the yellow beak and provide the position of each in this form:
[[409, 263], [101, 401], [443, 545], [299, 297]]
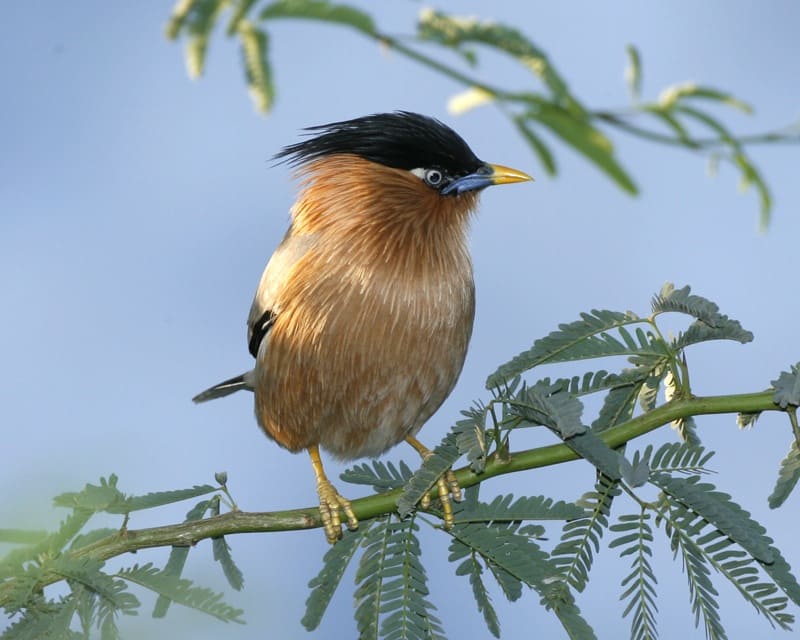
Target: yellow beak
[[506, 175]]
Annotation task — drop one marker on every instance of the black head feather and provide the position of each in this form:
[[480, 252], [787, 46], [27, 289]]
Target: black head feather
[[402, 140]]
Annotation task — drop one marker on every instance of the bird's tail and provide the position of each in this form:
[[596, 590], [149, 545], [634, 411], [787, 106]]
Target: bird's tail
[[244, 381]]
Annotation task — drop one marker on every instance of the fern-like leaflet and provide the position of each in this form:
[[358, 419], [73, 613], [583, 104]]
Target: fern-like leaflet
[[635, 537], [392, 586], [580, 539]]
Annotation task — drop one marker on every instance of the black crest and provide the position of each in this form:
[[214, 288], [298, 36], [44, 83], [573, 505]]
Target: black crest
[[402, 140]]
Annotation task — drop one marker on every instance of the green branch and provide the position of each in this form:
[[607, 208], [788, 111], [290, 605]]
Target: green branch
[[190, 533], [621, 119]]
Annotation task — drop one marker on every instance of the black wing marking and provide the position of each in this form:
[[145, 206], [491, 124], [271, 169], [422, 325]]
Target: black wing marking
[[260, 330]]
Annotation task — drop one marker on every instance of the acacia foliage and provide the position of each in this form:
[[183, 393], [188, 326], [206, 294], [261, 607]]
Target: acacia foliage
[[507, 544], [684, 115]]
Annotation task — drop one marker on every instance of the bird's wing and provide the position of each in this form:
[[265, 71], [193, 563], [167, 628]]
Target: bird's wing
[[266, 303]]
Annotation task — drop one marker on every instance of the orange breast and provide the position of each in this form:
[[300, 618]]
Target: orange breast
[[356, 369], [374, 320]]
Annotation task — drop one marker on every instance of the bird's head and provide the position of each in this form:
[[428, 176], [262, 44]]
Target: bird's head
[[435, 154], [388, 181]]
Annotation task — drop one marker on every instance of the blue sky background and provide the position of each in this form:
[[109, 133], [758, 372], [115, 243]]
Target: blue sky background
[[138, 209]]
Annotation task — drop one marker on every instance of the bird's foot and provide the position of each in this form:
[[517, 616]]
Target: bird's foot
[[447, 486], [449, 491], [330, 504]]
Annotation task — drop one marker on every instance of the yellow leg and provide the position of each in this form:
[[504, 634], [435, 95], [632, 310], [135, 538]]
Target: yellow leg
[[447, 485], [330, 501]]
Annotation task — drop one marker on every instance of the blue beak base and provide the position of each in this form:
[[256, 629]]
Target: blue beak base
[[485, 176]]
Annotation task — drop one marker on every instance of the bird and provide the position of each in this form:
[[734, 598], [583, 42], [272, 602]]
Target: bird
[[361, 320]]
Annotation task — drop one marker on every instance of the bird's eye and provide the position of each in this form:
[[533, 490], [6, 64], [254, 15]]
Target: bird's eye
[[433, 177]]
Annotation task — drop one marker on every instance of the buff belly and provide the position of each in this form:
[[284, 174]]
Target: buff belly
[[358, 377]]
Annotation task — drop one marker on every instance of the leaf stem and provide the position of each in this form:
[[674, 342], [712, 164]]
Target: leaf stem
[[792, 411]]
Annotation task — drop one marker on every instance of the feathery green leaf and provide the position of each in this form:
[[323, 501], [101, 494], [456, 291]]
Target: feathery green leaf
[[370, 577], [710, 324], [181, 591], [677, 93], [577, 131], [590, 382], [678, 457], [106, 497], [787, 387], [474, 570], [686, 428], [514, 558], [745, 420], [538, 145], [222, 554], [504, 508], [67, 531], [683, 301], [320, 10], [443, 457], [636, 473], [513, 552], [88, 572], [702, 593], [406, 613], [580, 540], [177, 19], [20, 592], [618, 407], [593, 449], [199, 21], [752, 176], [335, 562], [548, 405], [50, 619], [743, 572], [455, 31], [788, 476], [470, 434], [620, 402], [726, 329], [559, 600], [258, 71], [780, 571], [584, 338], [177, 559], [160, 498], [639, 586], [174, 569], [239, 11], [749, 173], [93, 498], [50, 546], [718, 509], [380, 476], [510, 585], [648, 392], [667, 117], [633, 72]]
